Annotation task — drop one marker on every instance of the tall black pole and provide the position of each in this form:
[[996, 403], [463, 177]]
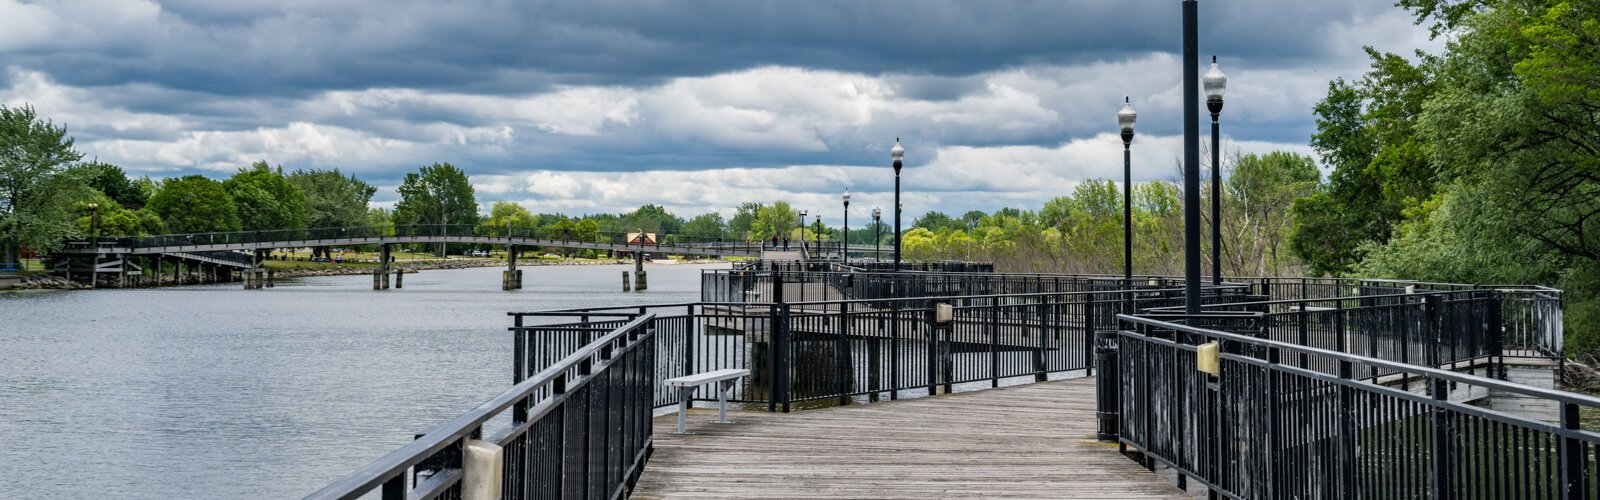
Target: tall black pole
[[1127, 210], [1216, 197], [898, 153], [877, 239], [1191, 158], [847, 232]]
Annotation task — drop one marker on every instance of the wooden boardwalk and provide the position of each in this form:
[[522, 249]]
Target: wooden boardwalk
[[1028, 441]]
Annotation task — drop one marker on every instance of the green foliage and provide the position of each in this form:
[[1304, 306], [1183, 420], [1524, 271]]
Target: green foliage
[[707, 225], [100, 215], [936, 221], [111, 180], [266, 199], [505, 214], [775, 219], [333, 199], [651, 219], [436, 194], [744, 218], [37, 191], [195, 204]]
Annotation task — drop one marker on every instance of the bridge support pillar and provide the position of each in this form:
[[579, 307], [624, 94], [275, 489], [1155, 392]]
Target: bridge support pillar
[[399, 277], [270, 278], [511, 279], [626, 287], [122, 271], [380, 276], [640, 282]]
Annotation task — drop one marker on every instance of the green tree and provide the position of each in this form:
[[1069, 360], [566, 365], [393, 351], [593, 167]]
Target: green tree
[[333, 199], [652, 218], [743, 219], [1255, 222], [935, 221], [266, 199], [436, 194], [707, 225], [777, 219], [505, 214], [111, 180], [37, 192], [195, 204]]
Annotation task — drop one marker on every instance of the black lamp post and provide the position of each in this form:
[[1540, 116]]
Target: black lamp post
[[846, 226], [94, 225], [1215, 83], [1125, 120], [1191, 157], [877, 234], [899, 154], [802, 230]]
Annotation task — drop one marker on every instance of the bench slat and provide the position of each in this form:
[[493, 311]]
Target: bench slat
[[706, 378]]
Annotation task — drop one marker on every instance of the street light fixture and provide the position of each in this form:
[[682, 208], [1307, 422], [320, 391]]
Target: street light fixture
[[846, 252], [1125, 120], [1215, 84], [898, 153]]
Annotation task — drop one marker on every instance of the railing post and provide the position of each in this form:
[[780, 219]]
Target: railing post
[[1442, 440], [1495, 336], [994, 342], [1088, 331], [1347, 432], [1045, 311], [934, 360], [781, 359], [1573, 456], [519, 365]]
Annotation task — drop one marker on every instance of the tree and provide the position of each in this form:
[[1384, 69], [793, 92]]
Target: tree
[[109, 218], [1256, 222], [195, 204], [777, 219], [505, 214], [37, 191], [652, 219], [705, 226], [111, 180], [935, 221], [333, 199], [436, 194], [743, 218], [266, 199]]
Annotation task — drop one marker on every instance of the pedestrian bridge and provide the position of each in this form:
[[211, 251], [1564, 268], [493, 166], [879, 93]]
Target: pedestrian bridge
[[1346, 391]]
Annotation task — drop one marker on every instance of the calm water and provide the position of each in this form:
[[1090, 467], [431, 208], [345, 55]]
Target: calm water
[[218, 392]]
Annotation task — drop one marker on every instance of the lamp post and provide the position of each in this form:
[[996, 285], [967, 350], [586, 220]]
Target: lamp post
[[94, 225], [898, 153], [877, 234], [846, 226], [802, 231], [1191, 157], [1215, 83], [1125, 120]]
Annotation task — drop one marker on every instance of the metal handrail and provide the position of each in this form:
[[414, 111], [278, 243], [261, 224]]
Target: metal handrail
[[1562, 396], [436, 439]]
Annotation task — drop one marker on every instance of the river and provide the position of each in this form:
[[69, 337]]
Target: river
[[218, 392]]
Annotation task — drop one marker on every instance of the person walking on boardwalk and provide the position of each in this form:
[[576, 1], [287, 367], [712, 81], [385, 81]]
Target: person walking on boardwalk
[[785, 243]]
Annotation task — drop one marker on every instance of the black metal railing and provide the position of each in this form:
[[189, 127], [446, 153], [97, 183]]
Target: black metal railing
[[577, 428], [859, 349], [414, 231], [1264, 427]]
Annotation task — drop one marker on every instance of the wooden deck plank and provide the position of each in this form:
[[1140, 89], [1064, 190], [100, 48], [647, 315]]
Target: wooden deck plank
[[1028, 441]]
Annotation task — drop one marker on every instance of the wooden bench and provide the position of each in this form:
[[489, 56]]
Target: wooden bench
[[687, 384]]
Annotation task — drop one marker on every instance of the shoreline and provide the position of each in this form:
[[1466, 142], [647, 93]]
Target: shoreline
[[53, 282]]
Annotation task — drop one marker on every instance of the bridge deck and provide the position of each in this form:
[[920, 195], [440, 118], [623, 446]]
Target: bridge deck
[[1029, 441]]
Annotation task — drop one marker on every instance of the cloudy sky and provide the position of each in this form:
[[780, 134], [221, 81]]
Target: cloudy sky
[[603, 105]]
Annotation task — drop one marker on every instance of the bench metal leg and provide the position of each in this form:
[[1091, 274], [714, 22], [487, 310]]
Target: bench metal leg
[[685, 396], [722, 401]]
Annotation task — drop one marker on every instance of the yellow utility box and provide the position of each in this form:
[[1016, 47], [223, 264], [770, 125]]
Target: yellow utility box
[[1207, 358]]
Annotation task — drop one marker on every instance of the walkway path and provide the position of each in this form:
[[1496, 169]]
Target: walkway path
[[1028, 441]]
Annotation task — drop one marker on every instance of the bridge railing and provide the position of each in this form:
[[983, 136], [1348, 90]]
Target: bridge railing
[[577, 428], [362, 234], [1263, 427]]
